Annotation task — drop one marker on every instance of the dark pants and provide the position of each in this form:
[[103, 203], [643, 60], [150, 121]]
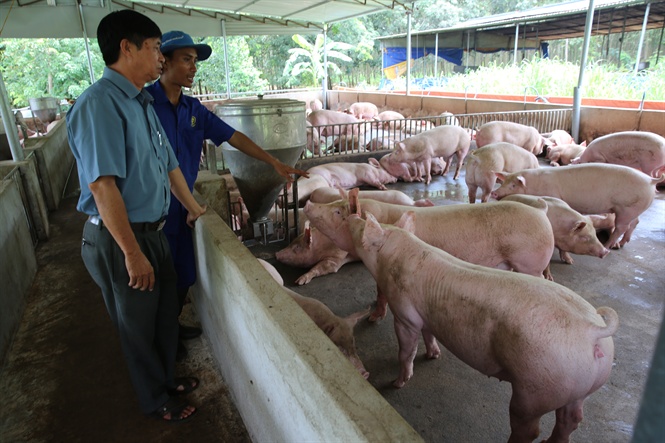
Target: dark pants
[[147, 321]]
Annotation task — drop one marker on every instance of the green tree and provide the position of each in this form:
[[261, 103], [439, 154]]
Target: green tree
[[311, 68]]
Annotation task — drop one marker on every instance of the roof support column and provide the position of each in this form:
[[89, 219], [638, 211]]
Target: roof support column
[[226, 61], [577, 94], [642, 34], [325, 67], [408, 51], [85, 40], [517, 37], [436, 54]]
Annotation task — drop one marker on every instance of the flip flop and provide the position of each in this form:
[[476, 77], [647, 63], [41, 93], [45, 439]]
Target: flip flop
[[175, 408], [190, 384]]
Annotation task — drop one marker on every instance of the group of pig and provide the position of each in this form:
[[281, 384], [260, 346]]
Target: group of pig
[[441, 269], [381, 131]]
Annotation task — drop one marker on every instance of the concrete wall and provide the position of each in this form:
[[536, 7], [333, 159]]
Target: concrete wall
[[18, 264], [289, 382], [54, 161]]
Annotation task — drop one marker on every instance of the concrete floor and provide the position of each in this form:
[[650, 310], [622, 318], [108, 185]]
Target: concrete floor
[[65, 379], [448, 401]]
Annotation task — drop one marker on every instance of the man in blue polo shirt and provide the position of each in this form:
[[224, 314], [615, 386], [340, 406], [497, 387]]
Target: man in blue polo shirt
[[187, 124], [127, 172]]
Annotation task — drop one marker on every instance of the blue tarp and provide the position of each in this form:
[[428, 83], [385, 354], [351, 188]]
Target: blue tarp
[[395, 55]]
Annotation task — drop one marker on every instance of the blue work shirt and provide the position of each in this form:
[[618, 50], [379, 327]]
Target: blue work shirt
[[187, 126], [114, 131]]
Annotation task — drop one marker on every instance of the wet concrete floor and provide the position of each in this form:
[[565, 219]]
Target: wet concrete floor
[[448, 401]]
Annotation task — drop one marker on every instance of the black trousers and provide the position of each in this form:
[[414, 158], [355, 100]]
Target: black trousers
[[147, 321]]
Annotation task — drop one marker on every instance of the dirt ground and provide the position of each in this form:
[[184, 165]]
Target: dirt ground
[[65, 379]]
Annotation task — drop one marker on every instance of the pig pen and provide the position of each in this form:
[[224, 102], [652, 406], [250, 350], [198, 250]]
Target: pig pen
[[446, 400]]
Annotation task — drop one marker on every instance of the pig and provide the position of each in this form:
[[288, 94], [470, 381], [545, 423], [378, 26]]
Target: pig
[[550, 344], [333, 123], [401, 170], [448, 118], [594, 188], [313, 139], [644, 151], [524, 136], [443, 141], [491, 227], [559, 137], [390, 120], [378, 144], [327, 195], [363, 110], [339, 330], [314, 249], [564, 154], [347, 175], [482, 164], [315, 105], [415, 126], [573, 232], [306, 185]]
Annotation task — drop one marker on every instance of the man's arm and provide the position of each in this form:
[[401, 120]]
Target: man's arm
[[181, 191], [245, 145], [113, 212]]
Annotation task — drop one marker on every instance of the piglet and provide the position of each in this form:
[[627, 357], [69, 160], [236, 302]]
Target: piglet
[[482, 164], [561, 155], [524, 136], [443, 141], [338, 329], [550, 344]]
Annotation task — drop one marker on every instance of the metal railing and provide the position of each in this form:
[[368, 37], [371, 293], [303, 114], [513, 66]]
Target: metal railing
[[16, 178], [369, 136]]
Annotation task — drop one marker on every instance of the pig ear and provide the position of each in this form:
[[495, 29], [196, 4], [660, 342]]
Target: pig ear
[[371, 233], [501, 176], [407, 221], [342, 193], [354, 203], [583, 143], [521, 179], [579, 226], [374, 162]]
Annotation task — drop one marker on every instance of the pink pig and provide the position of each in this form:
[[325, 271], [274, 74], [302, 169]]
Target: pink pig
[[339, 330], [482, 164], [328, 195], [644, 151], [363, 110], [550, 344], [559, 137], [524, 136], [348, 175], [443, 141], [594, 188], [338, 121], [564, 154]]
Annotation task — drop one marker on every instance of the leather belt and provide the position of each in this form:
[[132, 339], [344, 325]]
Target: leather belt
[[137, 227]]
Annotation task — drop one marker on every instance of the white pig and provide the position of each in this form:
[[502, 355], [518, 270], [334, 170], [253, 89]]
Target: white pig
[[348, 175], [443, 141], [339, 330], [363, 110], [491, 228], [594, 188], [559, 137], [482, 164], [564, 154], [527, 137], [314, 249], [550, 344], [573, 232], [328, 194], [644, 151]]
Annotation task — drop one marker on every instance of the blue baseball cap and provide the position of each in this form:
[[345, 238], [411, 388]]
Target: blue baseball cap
[[173, 40]]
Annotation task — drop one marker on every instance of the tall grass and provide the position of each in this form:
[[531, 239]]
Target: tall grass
[[547, 77]]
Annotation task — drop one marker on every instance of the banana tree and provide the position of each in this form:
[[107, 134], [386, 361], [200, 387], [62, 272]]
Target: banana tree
[[306, 62]]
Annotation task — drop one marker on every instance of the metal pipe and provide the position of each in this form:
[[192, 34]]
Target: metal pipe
[[623, 34], [226, 61], [85, 40], [325, 67], [9, 121], [577, 93], [517, 37], [639, 46], [436, 54], [408, 50]]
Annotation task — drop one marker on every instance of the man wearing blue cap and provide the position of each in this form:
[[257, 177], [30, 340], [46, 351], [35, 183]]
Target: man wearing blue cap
[[187, 124]]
